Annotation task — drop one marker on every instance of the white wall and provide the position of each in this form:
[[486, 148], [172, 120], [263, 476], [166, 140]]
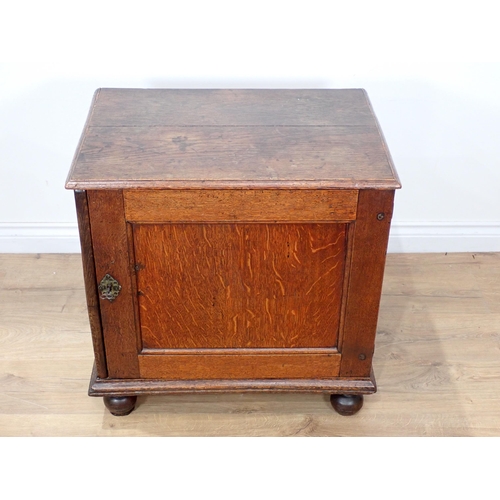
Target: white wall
[[431, 72]]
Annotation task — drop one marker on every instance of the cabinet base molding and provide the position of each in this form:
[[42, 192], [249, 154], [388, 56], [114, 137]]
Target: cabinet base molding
[[134, 387]]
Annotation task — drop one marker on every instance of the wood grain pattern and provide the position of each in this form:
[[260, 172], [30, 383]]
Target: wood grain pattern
[[436, 362], [243, 366], [82, 212], [255, 139], [245, 156], [231, 107], [252, 205], [109, 237], [369, 247], [239, 285]]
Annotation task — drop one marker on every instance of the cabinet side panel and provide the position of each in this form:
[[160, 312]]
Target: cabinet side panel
[[369, 247], [109, 239], [82, 211]]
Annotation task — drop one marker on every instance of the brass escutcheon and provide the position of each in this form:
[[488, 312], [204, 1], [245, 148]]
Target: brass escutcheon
[[109, 288]]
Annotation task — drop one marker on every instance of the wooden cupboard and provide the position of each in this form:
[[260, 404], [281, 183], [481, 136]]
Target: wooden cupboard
[[233, 240]]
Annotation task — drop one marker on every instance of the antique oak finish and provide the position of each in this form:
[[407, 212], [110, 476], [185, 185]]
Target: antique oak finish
[[233, 240]]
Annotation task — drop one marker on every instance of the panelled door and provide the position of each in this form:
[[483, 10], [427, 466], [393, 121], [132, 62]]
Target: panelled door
[[223, 284]]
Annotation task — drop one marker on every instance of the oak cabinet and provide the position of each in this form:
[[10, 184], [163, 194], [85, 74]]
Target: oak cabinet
[[233, 240]]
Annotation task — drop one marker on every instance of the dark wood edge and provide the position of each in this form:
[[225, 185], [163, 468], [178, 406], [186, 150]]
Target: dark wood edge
[[232, 351], [346, 275], [241, 221], [69, 182], [369, 251], [397, 182], [134, 387], [89, 276], [233, 184], [109, 234], [133, 277]]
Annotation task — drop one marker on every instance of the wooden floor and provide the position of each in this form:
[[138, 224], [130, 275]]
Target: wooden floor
[[437, 361]]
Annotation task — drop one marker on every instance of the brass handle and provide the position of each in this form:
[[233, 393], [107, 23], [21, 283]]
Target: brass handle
[[109, 288]]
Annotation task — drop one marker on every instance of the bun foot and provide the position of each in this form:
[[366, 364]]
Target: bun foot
[[346, 404], [119, 406]]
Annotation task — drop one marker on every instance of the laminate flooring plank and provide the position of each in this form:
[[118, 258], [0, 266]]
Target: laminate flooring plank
[[437, 361]]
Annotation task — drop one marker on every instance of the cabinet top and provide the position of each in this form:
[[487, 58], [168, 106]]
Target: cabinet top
[[162, 138]]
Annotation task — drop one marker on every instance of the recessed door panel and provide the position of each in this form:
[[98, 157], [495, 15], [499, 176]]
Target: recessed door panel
[[241, 285]]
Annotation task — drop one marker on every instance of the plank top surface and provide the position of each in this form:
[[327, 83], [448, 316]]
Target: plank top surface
[[169, 138]]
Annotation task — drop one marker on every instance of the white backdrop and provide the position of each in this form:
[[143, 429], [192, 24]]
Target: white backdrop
[[431, 71]]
